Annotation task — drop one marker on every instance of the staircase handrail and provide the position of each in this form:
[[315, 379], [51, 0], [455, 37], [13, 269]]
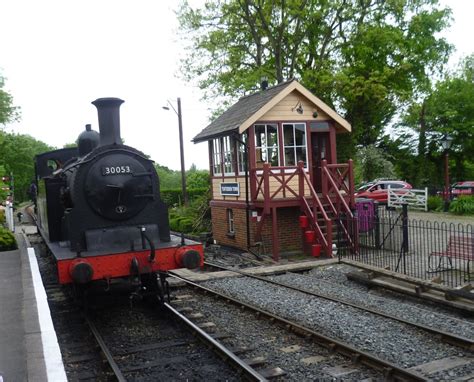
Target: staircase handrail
[[327, 178]]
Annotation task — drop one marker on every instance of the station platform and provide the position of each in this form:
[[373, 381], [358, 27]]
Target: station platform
[[29, 349]]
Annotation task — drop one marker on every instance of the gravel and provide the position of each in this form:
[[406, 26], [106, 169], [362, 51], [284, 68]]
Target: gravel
[[388, 339], [279, 347], [332, 282]]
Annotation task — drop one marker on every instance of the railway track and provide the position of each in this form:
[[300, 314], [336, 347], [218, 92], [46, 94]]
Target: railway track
[[119, 372], [453, 339], [110, 341], [389, 370], [95, 347]]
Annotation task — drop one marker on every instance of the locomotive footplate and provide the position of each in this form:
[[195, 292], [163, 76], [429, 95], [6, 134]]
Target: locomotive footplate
[[110, 264]]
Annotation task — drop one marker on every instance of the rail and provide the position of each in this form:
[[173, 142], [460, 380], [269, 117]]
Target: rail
[[392, 371], [463, 342], [105, 350], [228, 355]]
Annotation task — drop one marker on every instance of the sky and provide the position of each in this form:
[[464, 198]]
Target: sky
[[59, 55]]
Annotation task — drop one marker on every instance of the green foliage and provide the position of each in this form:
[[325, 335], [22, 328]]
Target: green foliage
[[8, 112], [366, 60], [171, 179], [2, 216], [18, 152], [463, 205], [7, 240], [372, 163], [194, 219], [174, 197], [435, 203], [447, 108]]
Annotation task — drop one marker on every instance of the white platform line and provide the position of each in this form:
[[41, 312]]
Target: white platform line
[[52, 354]]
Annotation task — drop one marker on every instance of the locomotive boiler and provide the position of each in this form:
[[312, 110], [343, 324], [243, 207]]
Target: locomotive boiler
[[100, 210]]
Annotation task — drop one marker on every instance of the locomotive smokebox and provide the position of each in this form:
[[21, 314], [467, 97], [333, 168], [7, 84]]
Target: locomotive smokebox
[[109, 120]]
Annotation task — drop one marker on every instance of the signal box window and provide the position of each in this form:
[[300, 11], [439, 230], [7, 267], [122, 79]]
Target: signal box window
[[266, 145], [216, 157], [230, 222], [294, 139], [228, 151], [241, 153]]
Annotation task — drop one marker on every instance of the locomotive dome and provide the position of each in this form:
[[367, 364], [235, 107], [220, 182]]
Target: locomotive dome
[[87, 141]]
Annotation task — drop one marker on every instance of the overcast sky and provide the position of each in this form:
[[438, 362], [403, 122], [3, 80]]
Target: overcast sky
[[59, 55]]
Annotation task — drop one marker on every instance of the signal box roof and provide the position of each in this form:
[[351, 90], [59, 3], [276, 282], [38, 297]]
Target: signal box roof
[[252, 108]]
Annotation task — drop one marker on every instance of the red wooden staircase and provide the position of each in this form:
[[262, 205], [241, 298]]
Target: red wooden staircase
[[322, 213]]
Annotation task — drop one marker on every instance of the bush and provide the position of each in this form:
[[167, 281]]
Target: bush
[[2, 216], [7, 240], [173, 197], [463, 205], [186, 225], [435, 203], [195, 218]]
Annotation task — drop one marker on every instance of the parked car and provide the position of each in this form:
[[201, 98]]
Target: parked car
[[378, 189], [462, 188]]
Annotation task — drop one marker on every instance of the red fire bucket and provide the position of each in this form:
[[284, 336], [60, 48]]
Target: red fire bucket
[[309, 236], [316, 250], [304, 222]]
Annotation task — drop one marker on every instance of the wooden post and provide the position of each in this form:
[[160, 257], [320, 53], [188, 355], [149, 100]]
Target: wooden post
[[324, 180], [266, 188], [276, 243], [351, 184], [301, 178]]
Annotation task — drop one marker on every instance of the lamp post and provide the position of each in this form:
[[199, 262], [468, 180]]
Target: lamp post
[[181, 150], [446, 142]]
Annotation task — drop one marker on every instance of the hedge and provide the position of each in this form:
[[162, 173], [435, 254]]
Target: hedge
[[174, 197]]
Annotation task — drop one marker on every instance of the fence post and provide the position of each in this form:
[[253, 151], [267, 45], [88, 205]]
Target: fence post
[[405, 234], [377, 225]]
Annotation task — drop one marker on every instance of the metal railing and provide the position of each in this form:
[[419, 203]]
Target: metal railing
[[422, 249]]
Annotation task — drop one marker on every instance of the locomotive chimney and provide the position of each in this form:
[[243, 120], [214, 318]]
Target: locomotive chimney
[[109, 120]]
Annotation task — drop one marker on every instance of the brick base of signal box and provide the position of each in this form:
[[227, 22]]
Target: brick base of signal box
[[289, 231]]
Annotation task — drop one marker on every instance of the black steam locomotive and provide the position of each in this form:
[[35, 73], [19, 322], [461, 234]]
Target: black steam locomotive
[[100, 211]]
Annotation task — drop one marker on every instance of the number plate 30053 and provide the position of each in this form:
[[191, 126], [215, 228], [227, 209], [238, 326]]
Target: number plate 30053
[[116, 170]]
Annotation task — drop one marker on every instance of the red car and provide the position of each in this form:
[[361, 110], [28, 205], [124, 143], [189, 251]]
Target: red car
[[462, 188], [378, 190]]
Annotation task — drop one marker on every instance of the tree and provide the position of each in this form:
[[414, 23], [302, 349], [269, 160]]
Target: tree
[[18, 152], [448, 108], [8, 112], [373, 163], [365, 58], [197, 178]]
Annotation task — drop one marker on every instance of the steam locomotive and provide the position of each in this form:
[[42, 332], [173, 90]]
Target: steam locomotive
[[100, 212]]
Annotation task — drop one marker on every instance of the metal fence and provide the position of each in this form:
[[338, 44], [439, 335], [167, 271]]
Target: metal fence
[[388, 238]]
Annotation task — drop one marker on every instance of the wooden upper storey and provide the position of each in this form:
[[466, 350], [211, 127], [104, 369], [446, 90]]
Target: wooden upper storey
[[280, 126]]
